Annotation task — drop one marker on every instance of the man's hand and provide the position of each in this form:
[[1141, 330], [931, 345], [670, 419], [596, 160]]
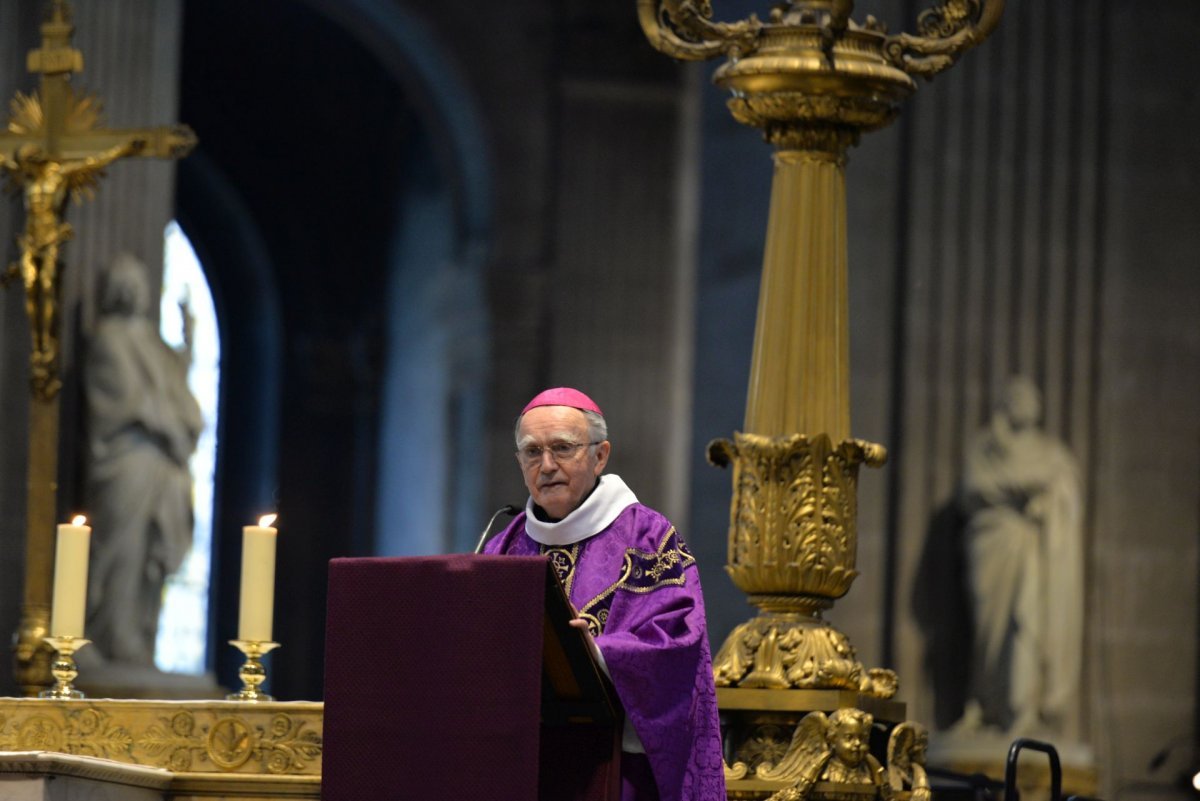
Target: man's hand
[[582, 625]]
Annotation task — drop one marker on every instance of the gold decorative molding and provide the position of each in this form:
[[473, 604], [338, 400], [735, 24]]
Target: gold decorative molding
[[793, 651], [265, 739], [796, 702], [685, 29], [945, 33]]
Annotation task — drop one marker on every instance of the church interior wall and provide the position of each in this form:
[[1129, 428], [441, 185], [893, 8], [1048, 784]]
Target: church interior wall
[[1147, 554], [1003, 262], [1031, 211]]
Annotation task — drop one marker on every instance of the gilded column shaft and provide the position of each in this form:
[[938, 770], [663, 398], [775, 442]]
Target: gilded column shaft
[[799, 374], [43, 499], [31, 656]]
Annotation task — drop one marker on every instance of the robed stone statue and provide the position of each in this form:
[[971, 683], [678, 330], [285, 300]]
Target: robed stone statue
[[1020, 500], [142, 427]]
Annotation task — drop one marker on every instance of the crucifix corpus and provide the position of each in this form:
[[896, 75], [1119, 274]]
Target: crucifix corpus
[[55, 149]]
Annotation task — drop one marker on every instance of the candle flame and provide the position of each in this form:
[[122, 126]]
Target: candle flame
[[78, 520], [266, 520]]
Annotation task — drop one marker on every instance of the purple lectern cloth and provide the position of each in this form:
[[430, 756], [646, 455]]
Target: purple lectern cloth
[[411, 649], [638, 587]]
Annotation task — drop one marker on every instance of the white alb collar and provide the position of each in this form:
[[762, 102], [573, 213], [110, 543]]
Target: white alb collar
[[609, 499]]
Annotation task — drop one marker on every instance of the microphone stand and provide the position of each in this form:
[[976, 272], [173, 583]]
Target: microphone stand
[[507, 509]]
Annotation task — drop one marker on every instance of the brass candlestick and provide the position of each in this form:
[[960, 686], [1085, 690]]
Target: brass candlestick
[[252, 673], [63, 668]]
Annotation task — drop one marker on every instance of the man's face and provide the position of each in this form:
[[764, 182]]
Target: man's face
[[559, 486]]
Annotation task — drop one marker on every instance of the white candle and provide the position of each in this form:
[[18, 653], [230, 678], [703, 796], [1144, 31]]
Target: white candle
[[70, 578], [258, 581]]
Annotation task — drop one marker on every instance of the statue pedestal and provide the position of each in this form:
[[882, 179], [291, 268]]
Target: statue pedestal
[[800, 702]]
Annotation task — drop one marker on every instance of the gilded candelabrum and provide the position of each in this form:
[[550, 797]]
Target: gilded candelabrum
[[812, 79]]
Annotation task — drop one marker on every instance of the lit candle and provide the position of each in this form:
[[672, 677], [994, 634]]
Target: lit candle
[[258, 581], [70, 578]]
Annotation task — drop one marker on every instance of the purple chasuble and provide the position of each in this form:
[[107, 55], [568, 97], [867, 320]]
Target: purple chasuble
[[639, 589]]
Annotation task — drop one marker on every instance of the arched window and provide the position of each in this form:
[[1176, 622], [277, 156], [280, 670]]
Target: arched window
[[183, 623]]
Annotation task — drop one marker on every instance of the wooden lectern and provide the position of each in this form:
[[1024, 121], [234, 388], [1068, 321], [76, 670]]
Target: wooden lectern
[[460, 677]]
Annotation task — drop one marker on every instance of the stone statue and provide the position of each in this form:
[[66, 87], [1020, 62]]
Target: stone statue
[[1020, 498], [142, 427]]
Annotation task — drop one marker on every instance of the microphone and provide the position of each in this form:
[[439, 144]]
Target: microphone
[[506, 509]]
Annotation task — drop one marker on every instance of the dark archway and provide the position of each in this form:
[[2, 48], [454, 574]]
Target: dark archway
[[333, 136], [436, 359]]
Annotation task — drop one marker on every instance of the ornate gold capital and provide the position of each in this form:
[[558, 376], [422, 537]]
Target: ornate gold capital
[[792, 518]]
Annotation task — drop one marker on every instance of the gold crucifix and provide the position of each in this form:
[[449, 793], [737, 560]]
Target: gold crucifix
[[55, 150]]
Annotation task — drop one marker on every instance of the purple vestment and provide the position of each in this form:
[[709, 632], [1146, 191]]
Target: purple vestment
[[638, 587]]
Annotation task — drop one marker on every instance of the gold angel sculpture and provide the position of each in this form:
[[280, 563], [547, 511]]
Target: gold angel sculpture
[[831, 749], [907, 745]]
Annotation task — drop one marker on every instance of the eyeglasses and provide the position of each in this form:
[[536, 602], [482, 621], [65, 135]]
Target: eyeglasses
[[559, 451]]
